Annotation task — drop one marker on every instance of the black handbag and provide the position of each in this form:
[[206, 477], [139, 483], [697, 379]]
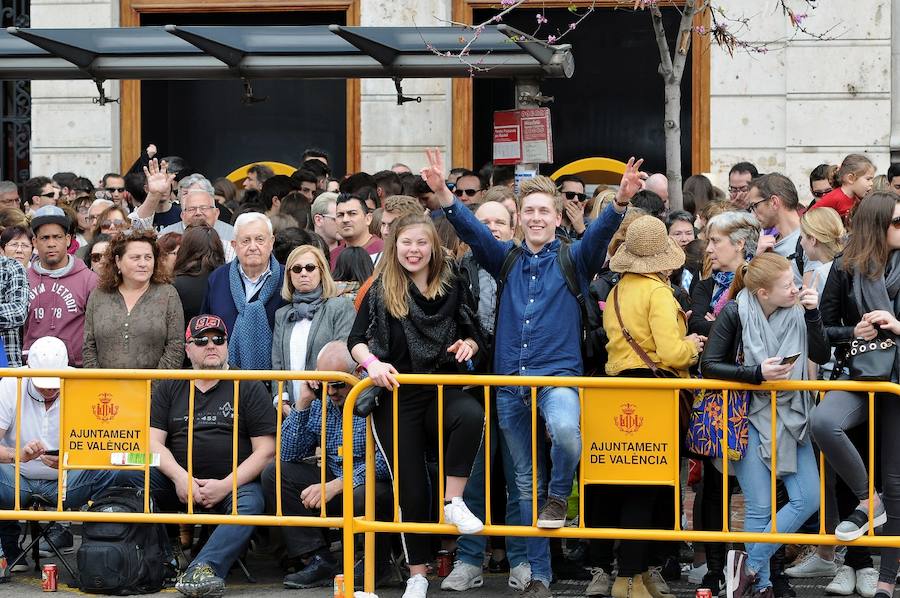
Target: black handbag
[[366, 401], [872, 360]]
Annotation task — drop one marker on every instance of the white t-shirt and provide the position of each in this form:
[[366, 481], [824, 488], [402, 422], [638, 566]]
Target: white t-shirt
[[38, 423], [299, 341]]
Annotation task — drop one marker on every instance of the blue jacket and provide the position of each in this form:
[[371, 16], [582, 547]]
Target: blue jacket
[[538, 327], [218, 299]]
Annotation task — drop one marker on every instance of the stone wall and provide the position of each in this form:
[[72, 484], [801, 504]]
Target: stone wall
[[809, 102]]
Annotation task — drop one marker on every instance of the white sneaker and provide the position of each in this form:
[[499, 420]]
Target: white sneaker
[[416, 586], [463, 577], [866, 580], [519, 576], [845, 582], [812, 566], [458, 514], [600, 585], [696, 574]]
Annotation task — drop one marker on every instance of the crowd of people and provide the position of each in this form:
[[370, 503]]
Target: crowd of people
[[458, 272]]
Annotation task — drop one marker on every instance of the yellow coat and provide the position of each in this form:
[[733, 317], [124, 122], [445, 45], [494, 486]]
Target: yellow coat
[[655, 320]]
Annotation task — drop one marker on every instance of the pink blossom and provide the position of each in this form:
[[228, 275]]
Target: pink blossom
[[541, 19], [797, 18], [551, 39], [572, 26]]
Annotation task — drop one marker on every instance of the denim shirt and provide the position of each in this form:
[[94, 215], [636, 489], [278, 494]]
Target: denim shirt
[[538, 326]]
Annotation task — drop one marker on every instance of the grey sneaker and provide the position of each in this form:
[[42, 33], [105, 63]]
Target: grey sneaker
[[553, 515], [200, 580], [537, 589], [857, 524], [600, 585]]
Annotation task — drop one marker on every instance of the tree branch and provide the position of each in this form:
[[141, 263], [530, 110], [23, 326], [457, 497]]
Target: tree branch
[[665, 58], [685, 27]]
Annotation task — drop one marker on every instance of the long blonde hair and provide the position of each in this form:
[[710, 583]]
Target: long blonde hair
[[394, 278]]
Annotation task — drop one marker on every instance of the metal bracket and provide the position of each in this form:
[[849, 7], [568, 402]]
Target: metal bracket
[[248, 98], [102, 100], [536, 98], [402, 99]]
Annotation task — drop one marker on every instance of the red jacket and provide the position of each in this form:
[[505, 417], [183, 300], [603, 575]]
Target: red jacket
[[837, 200]]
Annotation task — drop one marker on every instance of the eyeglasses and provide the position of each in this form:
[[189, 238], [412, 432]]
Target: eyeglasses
[[337, 385], [822, 193], [734, 189], [17, 246], [53, 193], [895, 222], [116, 189], [752, 207], [297, 268], [469, 192], [96, 258], [196, 209], [202, 341], [112, 223], [570, 195]]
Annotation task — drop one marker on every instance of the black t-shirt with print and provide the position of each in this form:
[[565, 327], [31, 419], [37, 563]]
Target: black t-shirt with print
[[213, 422]]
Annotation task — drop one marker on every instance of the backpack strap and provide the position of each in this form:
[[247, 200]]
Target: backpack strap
[[567, 267], [630, 339], [511, 256], [797, 256]]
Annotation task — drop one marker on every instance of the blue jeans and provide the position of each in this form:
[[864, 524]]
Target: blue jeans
[[470, 549], [81, 486], [227, 542], [802, 487], [561, 412]]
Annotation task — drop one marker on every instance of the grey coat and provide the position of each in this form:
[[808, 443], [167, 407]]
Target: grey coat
[[332, 322]]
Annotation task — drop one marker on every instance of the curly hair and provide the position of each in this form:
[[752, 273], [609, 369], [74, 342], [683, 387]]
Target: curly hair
[[111, 277]]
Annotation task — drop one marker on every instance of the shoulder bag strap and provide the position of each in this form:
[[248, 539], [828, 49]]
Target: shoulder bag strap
[[636, 347]]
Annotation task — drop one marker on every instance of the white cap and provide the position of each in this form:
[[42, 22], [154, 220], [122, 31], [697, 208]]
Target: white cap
[[48, 353]]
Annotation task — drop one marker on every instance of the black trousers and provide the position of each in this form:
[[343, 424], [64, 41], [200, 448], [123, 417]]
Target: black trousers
[[295, 477], [417, 422]]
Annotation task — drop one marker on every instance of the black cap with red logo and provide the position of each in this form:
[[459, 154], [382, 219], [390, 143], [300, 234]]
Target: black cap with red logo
[[203, 323]]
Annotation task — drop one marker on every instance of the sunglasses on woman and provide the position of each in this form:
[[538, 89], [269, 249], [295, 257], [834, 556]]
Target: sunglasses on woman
[[96, 258], [202, 341], [297, 268]]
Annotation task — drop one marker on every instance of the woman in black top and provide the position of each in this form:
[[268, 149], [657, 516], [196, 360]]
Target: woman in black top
[[417, 317], [200, 253]]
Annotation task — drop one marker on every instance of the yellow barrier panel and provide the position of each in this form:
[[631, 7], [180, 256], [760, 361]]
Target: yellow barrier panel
[[636, 400]]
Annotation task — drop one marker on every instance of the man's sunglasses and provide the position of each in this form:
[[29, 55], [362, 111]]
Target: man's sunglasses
[[297, 268], [470, 192], [115, 189], [570, 195], [821, 194], [202, 341], [337, 385]]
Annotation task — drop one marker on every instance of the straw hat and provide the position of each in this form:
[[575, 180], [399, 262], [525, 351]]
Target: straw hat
[[648, 248]]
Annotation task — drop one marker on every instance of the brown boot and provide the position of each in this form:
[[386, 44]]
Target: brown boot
[[630, 587], [654, 590]]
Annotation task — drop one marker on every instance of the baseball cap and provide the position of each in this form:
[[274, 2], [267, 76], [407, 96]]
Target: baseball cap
[[203, 323], [50, 215], [48, 353]]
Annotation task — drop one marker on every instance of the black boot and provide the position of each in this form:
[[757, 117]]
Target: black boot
[[780, 584]]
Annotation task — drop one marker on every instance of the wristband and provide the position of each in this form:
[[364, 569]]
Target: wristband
[[368, 361]]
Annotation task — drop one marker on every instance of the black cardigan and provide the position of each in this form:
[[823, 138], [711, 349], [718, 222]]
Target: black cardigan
[[720, 354], [701, 295], [839, 310]]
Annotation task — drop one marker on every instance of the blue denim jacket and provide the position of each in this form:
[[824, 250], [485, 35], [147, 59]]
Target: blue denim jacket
[[538, 326]]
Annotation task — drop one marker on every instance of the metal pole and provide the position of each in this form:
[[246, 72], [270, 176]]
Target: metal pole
[[527, 89], [895, 81]]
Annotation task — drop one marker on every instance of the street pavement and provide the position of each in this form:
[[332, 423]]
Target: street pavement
[[269, 584]]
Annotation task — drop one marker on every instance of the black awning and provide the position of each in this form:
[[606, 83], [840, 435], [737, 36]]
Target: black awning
[[291, 52]]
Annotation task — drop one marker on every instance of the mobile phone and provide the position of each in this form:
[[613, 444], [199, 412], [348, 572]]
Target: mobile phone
[[53, 453], [790, 359]]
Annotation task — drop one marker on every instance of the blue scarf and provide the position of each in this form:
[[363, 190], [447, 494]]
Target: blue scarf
[[250, 341], [723, 283]]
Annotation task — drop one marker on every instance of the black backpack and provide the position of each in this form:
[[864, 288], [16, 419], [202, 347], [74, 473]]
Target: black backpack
[[593, 335], [122, 558]]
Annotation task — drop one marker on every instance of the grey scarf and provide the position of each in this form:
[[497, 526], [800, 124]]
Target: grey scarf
[[306, 304], [781, 334], [58, 273], [880, 293]]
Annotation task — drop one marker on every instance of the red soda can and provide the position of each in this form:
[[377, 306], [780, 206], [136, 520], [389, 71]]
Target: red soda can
[[48, 578], [704, 593], [444, 564]]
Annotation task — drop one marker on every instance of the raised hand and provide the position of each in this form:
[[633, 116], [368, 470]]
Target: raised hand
[[631, 181], [434, 174], [159, 179]]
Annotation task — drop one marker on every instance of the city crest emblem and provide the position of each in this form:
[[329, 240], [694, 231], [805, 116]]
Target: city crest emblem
[[105, 410], [628, 420]]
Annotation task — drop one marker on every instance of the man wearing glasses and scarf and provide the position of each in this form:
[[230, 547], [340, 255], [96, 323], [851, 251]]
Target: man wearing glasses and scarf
[[206, 344]]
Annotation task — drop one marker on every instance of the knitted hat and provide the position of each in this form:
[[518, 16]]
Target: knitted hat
[[648, 248]]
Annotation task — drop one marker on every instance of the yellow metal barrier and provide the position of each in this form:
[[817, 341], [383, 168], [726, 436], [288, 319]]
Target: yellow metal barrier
[[368, 526], [279, 377]]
